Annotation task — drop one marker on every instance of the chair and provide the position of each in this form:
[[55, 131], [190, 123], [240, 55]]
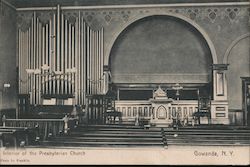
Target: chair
[[111, 114], [204, 109]]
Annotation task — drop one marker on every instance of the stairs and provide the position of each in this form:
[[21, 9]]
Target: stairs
[[135, 136], [208, 136], [109, 135]]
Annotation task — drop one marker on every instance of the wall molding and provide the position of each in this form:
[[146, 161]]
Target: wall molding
[[139, 6]]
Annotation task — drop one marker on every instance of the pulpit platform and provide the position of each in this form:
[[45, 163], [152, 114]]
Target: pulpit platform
[[160, 107]]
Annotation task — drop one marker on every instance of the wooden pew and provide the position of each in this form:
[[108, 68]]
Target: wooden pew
[[7, 136], [23, 133], [46, 127], [13, 137]]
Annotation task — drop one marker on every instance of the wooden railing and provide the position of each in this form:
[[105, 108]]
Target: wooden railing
[[45, 127], [130, 109], [185, 108]]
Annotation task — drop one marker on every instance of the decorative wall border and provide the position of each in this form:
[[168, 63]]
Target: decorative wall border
[[139, 6]]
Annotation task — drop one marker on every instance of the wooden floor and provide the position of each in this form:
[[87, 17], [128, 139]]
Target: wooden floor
[[133, 136]]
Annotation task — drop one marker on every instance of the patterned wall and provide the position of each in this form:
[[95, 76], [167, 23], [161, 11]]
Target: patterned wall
[[223, 24]]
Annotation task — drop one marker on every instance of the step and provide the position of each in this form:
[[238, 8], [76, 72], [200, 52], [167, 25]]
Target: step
[[115, 135], [115, 132], [203, 139], [207, 136], [206, 130], [106, 139], [86, 143], [113, 126], [207, 133], [120, 135], [208, 144], [216, 127], [115, 129]]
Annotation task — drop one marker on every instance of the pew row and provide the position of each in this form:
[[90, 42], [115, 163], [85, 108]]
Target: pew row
[[45, 128], [17, 136]]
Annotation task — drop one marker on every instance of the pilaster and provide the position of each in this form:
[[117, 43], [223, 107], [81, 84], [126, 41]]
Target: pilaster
[[219, 105]]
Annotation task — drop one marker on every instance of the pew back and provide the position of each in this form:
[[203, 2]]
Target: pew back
[[16, 136], [45, 127]]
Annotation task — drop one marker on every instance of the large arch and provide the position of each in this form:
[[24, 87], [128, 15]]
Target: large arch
[[231, 46], [116, 34], [237, 56], [160, 49]]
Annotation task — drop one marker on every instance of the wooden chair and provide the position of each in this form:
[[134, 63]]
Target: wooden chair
[[204, 109], [111, 114]]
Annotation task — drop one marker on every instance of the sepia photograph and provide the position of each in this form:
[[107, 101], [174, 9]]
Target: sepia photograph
[[124, 82]]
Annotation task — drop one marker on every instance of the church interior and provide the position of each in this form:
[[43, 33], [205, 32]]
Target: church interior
[[124, 72]]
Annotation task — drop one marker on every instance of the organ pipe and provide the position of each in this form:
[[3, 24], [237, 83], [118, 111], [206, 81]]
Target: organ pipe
[[43, 59], [34, 58], [58, 39], [50, 56], [73, 61], [19, 59], [22, 50], [54, 63], [93, 63], [58, 55], [96, 63], [39, 62], [99, 62], [101, 59], [29, 57], [46, 57], [60, 58], [84, 62], [90, 61], [78, 37], [66, 56], [25, 61], [31, 60], [70, 57], [62, 53]]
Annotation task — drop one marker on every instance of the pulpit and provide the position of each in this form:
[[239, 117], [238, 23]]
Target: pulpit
[[160, 109]]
